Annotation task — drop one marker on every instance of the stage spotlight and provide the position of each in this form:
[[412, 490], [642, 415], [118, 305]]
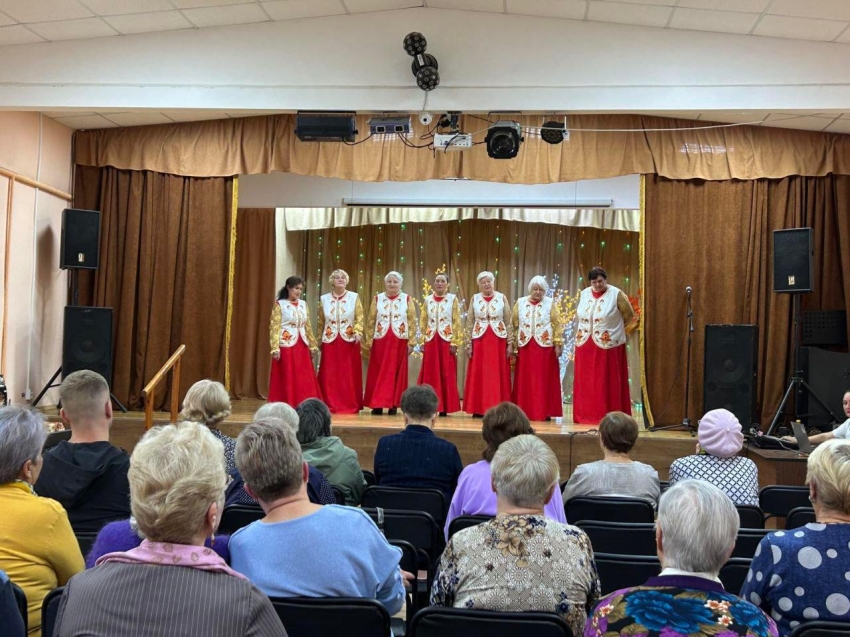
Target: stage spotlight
[[425, 68], [503, 140], [415, 43], [553, 132]]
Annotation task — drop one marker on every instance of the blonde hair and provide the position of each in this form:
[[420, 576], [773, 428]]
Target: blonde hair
[[829, 471], [176, 473], [84, 395], [207, 402], [338, 271], [524, 469]]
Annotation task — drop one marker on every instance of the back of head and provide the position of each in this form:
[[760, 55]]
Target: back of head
[[22, 435], [419, 403], [720, 433], [618, 432], [524, 470], [829, 472], [207, 402], [314, 420], [698, 523], [280, 411], [269, 458], [84, 396], [503, 422], [176, 473]]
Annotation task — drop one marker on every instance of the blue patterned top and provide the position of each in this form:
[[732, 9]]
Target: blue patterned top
[[737, 477]]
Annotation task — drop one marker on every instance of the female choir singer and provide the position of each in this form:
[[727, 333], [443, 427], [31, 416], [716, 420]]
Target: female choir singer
[[292, 377], [440, 321], [537, 375]]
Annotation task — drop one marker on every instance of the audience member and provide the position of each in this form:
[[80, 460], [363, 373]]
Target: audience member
[[474, 494], [326, 453], [416, 457], [86, 474], [38, 550], [716, 460], [802, 574], [10, 614], [170, 583], [301, 549], [208, 403], [695, 534], [616, 473], [521, 560]]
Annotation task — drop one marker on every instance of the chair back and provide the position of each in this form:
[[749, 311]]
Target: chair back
[[624, 538], [778, 500], [416, 527], [821, 629], [610, 509], [751, 516], [799, 516], [21, 602], [369, 477], [462, 522], [85, 540], [50, 610], [734, 574], [431, 501], [747, 541], [236, 516], [664, 484], [339, 496], [437, 621], [410, 562], [625, 571], [330, 616]]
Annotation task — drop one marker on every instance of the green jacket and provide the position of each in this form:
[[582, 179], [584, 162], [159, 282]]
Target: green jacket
[[339, 464]]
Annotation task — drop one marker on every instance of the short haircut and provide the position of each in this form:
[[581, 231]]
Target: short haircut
[[269, 458], [503, 422], [22, 435], [484, 274], [419, 402], [618, 432], [338, 271], [698, 526], [207, 402], [396, 275], [524, 469], [281, 411], [597, 272], [538, 280], [84, 395], [829, 471], [314, 420], [176, 473]]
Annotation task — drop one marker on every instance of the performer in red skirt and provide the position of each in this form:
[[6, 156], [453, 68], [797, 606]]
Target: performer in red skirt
[[488, 324], [390, 335], [292, 377], [539, 337], [341, 327], [601, 376], [440, 321]]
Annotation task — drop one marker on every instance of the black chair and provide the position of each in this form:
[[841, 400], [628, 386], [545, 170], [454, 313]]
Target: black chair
[[462, 522], [85, 540], [664, 484], [410, 562], [407, 499], [747, 541], [21, 601], [751, 516], [624, 538], [734, 574], [369, 477], [778, 500], [610, 509], [339, 496], [799, 516], [54, 438], [438, 621], [416, 527], [625, 571], [237, 516], [50, 610], [821, 629], [332, 616]]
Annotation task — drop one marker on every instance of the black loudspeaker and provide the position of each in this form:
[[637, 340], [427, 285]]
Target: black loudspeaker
[[793, 265], [87, 341], [731, 365], [828, 374], [79, 248]]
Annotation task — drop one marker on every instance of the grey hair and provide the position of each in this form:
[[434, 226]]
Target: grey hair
[[698, 525], [419, 402], [280, 411], [314, 420], [269, 458], [538, 280], [22, 435], [395, 274], [84, 395], [524, 469], [486, 273]]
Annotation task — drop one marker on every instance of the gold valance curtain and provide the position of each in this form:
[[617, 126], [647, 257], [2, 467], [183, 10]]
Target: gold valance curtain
[[600, 146]]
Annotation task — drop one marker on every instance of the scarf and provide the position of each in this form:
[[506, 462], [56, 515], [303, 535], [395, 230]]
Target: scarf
[[148, 552]]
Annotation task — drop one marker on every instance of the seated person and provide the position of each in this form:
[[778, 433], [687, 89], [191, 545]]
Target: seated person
[[208, 403], [301, 549], [616, 473], [842, 431], [170, 584], [802, 574], [695, 533], [10, 614], [716, 460], [416, 457], [326, 453], [521, 560], [86, 474]]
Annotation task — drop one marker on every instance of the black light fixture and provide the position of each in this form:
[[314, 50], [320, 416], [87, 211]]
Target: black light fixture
[[503, 139], [325, 126], [553, 132], [425, 66]]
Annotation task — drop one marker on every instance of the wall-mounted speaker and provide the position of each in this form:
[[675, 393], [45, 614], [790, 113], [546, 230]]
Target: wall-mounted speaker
[[731, 365], [80, 244], [793, 262]]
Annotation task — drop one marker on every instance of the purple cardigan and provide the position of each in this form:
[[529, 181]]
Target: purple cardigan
[[119, 537]]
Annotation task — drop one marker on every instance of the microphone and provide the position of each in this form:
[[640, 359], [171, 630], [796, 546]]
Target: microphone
[[689, 289]]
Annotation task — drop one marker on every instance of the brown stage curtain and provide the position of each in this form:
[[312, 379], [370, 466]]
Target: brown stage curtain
[[718, 238], [253, 295], [258, 145], [164, 251]]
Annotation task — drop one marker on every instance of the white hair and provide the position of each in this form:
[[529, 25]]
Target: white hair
[[484, 274], [698, 525], [395, 274], [281, 411], [539, 281], [524, 469]]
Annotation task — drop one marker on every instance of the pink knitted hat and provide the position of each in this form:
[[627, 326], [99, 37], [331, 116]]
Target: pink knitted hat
[[720, 433]]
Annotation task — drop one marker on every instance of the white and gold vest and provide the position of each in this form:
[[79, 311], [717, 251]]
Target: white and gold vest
[[391, 315], [490, 313], [439, 316], [600, 319], [535, 320], [293, 322], [339, 316]]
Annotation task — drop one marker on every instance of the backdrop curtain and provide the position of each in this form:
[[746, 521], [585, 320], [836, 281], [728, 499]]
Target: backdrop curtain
[[718, 238], [164, 259]]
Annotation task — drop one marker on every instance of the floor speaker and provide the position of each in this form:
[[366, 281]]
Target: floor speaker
[[729, 381], [793, 260], [80, 242], [87, 341], [828, 374]]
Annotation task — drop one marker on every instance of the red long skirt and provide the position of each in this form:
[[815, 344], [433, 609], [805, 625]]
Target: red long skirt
[[292, 379], [341, 376], [601, 383], [488, 375], [537, 382], [439, 369], [386, 379]]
